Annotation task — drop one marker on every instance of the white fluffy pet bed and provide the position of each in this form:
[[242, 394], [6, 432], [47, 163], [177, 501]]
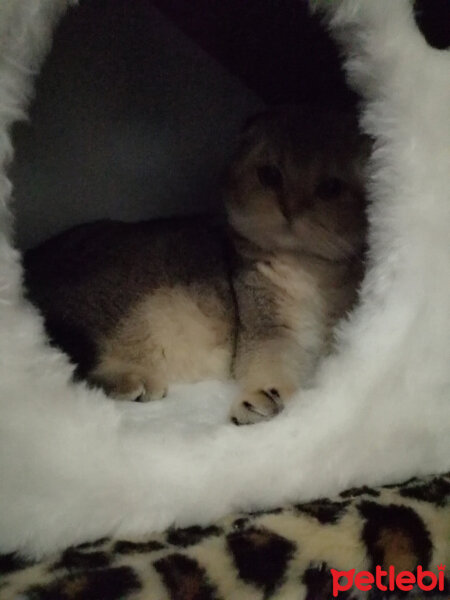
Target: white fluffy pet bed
[[76, 466]]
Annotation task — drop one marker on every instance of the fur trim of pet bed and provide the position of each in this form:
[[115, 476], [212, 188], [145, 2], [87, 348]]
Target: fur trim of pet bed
[[281, 554], [75, 466]]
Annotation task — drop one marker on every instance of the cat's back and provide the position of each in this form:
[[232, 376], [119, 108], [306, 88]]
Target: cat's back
[[87, 279], [188, 247]]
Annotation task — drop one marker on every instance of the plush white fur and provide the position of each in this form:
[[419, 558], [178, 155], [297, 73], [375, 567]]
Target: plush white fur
[[74, 465]]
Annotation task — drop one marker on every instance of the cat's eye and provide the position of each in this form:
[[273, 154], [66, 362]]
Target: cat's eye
[[270, 176], [330, 188]]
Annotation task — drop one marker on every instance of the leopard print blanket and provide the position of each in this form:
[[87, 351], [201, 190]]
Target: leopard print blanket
[[286, 553]]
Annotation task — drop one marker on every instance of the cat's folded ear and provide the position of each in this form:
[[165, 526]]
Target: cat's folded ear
[[271, 119], [264, 123], [255, 126], [254, 122], [265, 118], [255, 129]]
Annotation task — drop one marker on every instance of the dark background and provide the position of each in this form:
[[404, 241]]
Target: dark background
[[140, 102], [275, 46]]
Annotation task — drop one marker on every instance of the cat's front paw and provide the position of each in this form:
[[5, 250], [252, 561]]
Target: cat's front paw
[[153, 393], [140, 393], [129, 386], [253, 407]]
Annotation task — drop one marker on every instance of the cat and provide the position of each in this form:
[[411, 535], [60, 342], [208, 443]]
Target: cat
[[255, 296]]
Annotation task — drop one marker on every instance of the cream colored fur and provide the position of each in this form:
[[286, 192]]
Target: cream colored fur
[[310, 297], [168, 338]]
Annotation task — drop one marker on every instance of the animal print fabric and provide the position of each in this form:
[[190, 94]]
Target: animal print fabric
[[285, 553]]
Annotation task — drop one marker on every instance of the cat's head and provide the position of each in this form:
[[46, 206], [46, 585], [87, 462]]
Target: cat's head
[[297, 183]]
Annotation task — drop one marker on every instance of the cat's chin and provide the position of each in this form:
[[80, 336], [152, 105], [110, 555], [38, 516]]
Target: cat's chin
[[305, 238], [339, 252], [315, 240]]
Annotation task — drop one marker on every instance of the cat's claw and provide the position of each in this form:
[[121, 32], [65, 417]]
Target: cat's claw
[[153, 394], [254, 407], [141, 394]]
